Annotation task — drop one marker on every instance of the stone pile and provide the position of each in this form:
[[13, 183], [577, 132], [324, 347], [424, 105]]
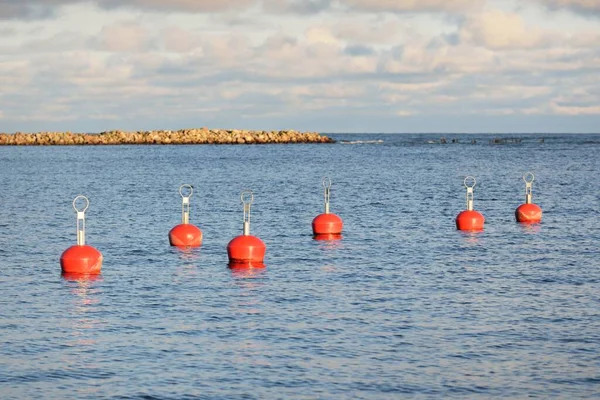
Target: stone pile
[[182, 136]]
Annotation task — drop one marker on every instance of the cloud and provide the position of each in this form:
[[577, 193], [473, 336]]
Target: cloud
[[124, 37], [35, 9], [575, 110], [500, 30], [373, 30], [178, 40], [302, 7], [190, 6], [30, 9], [584, 7], [412, 5], [354, 61]]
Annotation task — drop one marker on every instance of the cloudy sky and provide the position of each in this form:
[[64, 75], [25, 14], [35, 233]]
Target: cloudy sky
[[324, 65]]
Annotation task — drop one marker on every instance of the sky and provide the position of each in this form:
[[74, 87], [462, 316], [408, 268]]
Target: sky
[[389, 66]]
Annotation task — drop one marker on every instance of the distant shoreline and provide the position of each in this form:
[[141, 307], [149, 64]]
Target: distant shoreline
[[162, 137]]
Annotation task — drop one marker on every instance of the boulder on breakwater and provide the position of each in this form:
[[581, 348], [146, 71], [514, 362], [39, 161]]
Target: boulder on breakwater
[[182, 136]]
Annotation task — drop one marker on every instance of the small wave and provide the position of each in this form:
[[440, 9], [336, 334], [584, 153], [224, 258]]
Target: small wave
[[361, 141]]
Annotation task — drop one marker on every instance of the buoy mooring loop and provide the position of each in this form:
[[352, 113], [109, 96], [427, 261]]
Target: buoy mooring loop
[[81, 258], [185, 234], [245, 250], [469, 220], [327, 225], [81, 219], [528, 212]]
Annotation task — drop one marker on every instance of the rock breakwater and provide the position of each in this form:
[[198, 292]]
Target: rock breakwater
[[182, 136]]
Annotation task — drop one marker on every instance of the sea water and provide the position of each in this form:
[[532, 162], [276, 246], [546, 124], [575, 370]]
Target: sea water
[[403, 306]]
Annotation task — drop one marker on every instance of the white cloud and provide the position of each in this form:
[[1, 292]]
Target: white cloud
[[575, 110], [500, 30], [348, 59], [580, 6], [178, 40], [319, 35], [49, 8], [412, 5], [124, 37]]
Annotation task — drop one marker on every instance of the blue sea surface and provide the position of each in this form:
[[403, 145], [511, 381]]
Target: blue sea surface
[[404, 306]]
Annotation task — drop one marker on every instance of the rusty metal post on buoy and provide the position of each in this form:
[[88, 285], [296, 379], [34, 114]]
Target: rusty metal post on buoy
[[470, 220], [185, 234], [81, 258], [528, 212]]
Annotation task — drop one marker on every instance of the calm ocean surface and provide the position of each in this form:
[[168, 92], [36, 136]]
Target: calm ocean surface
[[404, 306]]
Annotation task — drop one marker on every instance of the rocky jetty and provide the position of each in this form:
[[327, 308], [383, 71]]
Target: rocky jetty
[[182, 136]]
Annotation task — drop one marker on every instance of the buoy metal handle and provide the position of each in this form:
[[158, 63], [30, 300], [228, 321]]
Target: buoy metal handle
[[247, 198], [185, 204], [528, 178], [81, 218], [470, 183], [327, 186]]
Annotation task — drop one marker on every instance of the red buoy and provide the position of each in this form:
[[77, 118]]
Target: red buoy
[[469, 219], [185, 234], [327, 224], [246, 250], [81, 258], [528, 213]]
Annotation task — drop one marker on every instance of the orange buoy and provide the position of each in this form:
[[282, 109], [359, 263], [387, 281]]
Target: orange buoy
[[327, 224], [81, 258], [185, 234], [469, 219], [528, 213], [246, 250]]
